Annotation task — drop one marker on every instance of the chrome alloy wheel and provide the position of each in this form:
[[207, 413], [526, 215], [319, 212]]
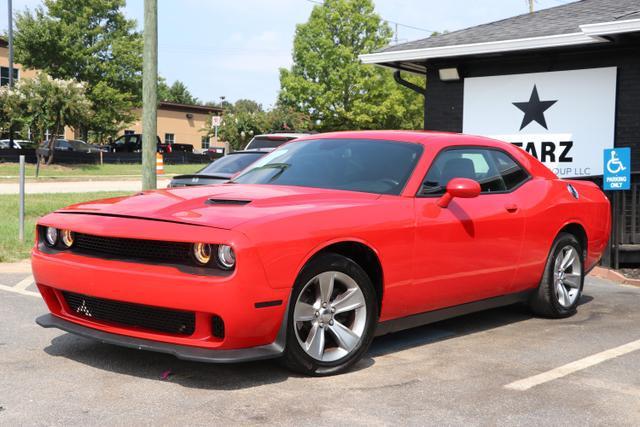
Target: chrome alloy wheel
[[567, 275], [330, 316]]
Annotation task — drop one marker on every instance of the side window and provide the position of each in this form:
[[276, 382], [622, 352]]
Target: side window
[[472, 163], [512, 173]]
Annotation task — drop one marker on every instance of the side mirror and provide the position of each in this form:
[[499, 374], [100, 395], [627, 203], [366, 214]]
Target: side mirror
[[463, 188]]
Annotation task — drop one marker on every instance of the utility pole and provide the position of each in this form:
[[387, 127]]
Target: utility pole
[[531, 5], [150, 95], [10, 19]]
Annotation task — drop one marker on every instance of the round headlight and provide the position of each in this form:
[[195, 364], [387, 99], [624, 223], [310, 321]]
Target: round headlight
[[202, 253], [226, 257], [67, 238], [51, 236]]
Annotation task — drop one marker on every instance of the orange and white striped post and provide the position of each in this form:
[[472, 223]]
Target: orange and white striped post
[[159, 164]]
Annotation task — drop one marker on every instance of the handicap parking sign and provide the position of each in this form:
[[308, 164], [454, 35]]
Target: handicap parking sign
[[617, 169]]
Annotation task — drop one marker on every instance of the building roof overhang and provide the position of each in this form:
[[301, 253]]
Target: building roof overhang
[[414, 59]]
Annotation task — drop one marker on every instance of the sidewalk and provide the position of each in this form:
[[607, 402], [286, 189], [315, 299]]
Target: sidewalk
[[76, 186]]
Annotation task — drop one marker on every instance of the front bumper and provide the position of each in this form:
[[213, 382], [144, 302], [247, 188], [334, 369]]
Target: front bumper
[[195, 354], [252, 311]]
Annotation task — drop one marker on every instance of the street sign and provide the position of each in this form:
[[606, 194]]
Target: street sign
[[617, 169], [216, 121]]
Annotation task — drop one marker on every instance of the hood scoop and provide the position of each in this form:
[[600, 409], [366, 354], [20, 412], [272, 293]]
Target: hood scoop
[[229, 202]]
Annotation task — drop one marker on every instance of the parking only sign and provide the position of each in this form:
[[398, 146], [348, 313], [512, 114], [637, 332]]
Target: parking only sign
[[617, 169]]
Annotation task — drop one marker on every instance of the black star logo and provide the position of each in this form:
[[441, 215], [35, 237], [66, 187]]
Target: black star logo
[[534, 109]]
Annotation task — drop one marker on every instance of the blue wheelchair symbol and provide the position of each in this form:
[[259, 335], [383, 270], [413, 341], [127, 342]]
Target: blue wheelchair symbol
[[617, 162]]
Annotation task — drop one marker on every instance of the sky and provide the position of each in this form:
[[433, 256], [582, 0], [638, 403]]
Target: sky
[[234, 48]]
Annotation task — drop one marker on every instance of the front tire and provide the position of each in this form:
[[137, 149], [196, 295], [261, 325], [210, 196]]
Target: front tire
[[561, 286], [332, 316]]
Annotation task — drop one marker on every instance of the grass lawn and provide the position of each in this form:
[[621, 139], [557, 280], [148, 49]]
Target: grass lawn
[[36, 205], [10, 170]]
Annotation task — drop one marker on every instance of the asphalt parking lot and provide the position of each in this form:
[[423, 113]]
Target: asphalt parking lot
[[501, 367]]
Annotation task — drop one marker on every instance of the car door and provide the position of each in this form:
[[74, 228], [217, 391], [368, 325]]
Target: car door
[[469, 250]]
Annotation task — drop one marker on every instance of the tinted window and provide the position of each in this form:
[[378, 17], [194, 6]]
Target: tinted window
[[79, 145], [126, 139], [512, 173], [472, 163], [372, 166], [231, 164], [267, 142], [62, 144]]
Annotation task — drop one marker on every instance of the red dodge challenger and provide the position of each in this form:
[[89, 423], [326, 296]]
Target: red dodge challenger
[[321, 245]]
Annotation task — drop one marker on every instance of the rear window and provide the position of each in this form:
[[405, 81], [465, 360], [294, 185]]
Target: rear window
[[267, 142]]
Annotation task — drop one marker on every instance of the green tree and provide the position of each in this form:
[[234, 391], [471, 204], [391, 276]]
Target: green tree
[[238, 128], [328, 81], [246, 118], [288, 119], [163, 89], [90, 41], [177, 93], [248, 106], [45, 105]]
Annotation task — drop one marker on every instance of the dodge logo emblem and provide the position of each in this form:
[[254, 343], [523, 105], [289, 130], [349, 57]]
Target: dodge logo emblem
[[83, 309]]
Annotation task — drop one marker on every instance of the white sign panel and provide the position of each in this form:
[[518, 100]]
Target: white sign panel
[[563, 118], [216, 121]]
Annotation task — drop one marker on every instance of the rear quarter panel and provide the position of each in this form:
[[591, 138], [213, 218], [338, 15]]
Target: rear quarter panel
[[549, 207]]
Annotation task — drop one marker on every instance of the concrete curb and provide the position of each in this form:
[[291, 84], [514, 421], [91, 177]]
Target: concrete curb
[[614, 276], [23, 266]]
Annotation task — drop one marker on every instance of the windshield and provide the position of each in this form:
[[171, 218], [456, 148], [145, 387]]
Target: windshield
[[231, 164], [371, 166], [267, 142]]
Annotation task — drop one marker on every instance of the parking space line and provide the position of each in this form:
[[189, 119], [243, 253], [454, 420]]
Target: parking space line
[[569, 368], [24, 283], [19, 291]]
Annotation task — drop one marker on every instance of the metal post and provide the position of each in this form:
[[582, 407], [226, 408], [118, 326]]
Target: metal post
[[616, 234], [21, 210], [150, 95], [10, 23]]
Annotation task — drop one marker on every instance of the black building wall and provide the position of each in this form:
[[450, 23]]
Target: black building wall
[[444, 100]]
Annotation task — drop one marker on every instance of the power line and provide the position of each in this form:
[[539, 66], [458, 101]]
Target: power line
[[387, 20]]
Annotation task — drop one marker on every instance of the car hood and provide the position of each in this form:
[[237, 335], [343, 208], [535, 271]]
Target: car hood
[[221, 206]]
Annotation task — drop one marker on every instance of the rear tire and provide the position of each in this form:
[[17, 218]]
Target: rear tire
[[332, 316], [561, 286]]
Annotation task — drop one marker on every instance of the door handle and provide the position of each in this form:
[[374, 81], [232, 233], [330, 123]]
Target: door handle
[[511, 207]]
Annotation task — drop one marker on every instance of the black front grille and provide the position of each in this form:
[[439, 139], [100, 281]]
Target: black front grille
[[133, 248], [132, 315]]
